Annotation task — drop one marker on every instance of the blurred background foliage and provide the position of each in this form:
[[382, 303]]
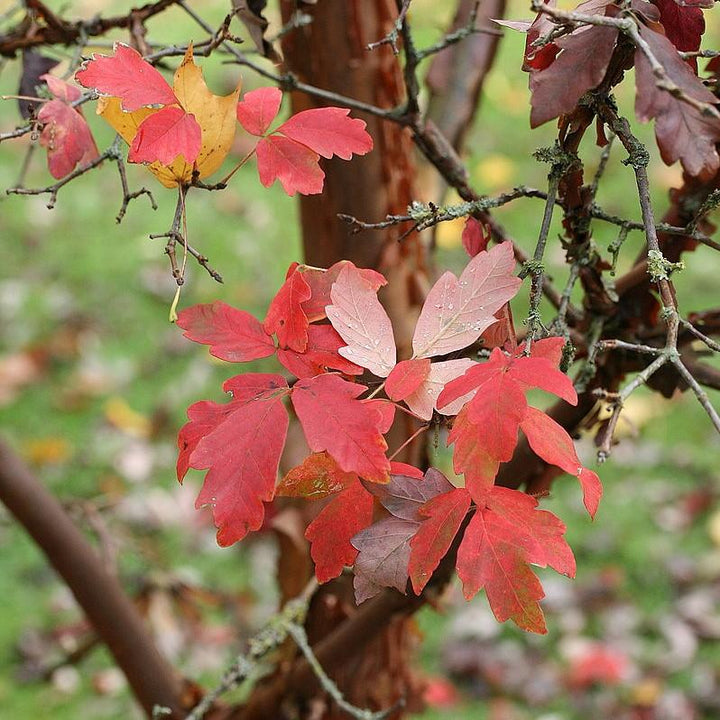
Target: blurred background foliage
[[94, 382]]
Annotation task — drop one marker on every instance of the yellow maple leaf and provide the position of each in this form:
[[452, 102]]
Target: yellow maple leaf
[[214, 113]]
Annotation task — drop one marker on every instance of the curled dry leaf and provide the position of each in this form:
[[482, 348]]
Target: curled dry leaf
[[65, 134]]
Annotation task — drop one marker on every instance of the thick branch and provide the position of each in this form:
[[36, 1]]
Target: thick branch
[[99, 593]]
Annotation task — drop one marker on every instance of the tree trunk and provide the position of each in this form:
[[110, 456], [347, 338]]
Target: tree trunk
[[332, 53]]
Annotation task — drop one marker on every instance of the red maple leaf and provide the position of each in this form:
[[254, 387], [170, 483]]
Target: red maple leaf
[[239, 444], [321, 282], [550, 441], [233, 335], [320, 355], [127, 76], [406, 377], [333, 419], [504, 536], [475, 236], [485, 431], [163, 135], [684, 26], [329, 534], [291, 153], [285, 316], [65, 134], [445, 513]]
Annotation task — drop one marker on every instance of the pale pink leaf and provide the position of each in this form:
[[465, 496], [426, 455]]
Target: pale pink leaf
[[361, 321], [66, 136], [424, 400], [457, 311]]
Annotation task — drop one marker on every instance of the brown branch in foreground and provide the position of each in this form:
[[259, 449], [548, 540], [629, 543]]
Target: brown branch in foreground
[[99, 594]]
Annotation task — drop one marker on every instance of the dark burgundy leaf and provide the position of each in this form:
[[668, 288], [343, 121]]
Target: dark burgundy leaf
[[580, 67], [682, 132], [33, 66], [684, 26]]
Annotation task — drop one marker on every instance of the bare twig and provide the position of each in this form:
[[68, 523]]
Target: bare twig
[[268, 639], [392, 37], [298, 634]]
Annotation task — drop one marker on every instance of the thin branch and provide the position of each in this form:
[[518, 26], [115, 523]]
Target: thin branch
[[392, 37], [298, 634], [56, 31], [699, 335], [54, 189], [271, 637], [700, 394]]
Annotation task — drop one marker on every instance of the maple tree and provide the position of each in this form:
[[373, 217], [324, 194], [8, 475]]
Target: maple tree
[[346, 372]]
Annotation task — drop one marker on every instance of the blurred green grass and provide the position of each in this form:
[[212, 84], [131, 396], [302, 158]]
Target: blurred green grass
[[74, 267]]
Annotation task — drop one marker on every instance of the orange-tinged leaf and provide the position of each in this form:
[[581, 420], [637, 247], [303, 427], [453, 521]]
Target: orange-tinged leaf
[[214, 114], [329, 534], [497, 410], [541, 373], [471, 457], [334, 420], [317, 477], [401, 468], [550, 348]]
